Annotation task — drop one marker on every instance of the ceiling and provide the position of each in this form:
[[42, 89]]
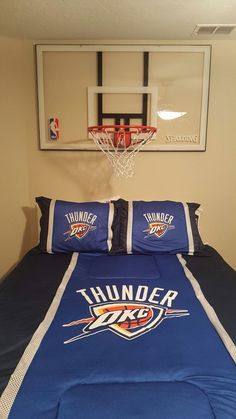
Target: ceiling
[[113, 19]]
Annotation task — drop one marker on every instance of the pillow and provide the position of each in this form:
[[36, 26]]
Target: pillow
[[76, 226], [161, 227]]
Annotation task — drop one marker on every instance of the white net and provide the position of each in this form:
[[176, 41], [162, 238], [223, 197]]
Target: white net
[[121, 143]]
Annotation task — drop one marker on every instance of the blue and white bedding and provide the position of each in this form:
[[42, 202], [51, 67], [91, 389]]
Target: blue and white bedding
[[128, 336]]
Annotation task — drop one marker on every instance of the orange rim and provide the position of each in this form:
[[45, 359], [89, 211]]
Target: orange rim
[[131, 128]]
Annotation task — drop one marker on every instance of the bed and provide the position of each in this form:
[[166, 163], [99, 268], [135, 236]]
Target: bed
[[120, 312]]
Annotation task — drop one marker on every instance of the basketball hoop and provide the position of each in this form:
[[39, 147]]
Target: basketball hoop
[[121, 143]]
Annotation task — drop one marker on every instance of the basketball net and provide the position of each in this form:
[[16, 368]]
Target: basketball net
[[121, 143]]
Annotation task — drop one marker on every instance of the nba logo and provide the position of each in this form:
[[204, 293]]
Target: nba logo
[[54, 128]]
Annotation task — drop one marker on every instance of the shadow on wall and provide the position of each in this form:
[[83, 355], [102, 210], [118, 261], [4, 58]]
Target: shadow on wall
[[30, 236], [86, 175]]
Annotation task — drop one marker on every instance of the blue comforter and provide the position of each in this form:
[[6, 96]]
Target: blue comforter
[[126, 337]]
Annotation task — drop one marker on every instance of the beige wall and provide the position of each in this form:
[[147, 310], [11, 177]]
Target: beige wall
[[206, 177], [14, 157]]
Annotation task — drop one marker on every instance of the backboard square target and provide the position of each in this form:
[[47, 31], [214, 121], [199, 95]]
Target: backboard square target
[[120, 106]]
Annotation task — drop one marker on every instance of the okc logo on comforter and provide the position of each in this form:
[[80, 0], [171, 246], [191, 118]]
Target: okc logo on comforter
[[128, 319], [81, 223], [158, 223]]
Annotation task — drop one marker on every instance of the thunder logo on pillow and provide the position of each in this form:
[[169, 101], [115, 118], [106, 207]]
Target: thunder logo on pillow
[[158, 224], [81, 223], [135, 312]]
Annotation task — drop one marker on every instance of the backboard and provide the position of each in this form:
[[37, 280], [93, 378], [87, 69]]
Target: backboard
[[85, 85]]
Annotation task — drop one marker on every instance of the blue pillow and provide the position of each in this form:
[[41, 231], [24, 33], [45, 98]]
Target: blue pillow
[[161, 227], [76, 226]]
